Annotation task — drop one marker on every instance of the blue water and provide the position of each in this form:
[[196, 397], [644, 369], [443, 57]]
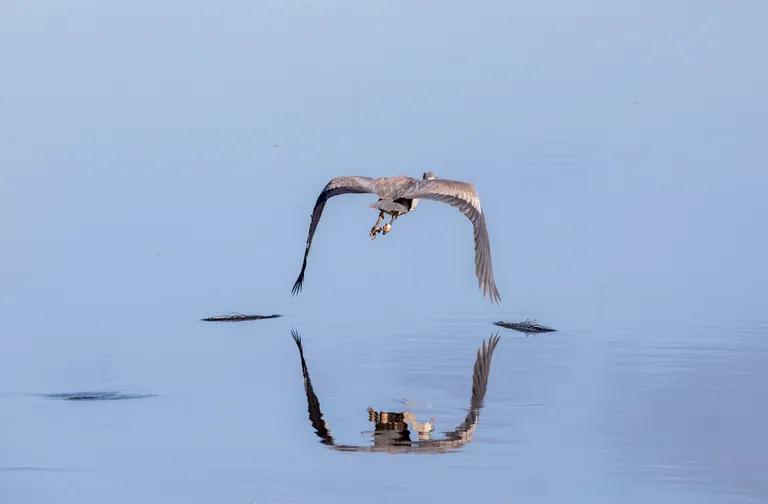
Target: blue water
[[158, 165]]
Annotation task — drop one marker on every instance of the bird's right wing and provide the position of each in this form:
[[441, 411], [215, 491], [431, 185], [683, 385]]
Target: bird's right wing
[[339, 185], [463, 196]]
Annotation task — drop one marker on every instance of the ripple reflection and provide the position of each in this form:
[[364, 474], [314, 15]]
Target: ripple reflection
[[392, 434]]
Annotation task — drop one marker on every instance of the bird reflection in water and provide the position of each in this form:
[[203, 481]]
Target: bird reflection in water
[[392, 432]]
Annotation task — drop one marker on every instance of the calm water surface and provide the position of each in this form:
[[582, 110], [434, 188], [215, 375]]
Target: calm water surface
[[159, 165], [669, 412]]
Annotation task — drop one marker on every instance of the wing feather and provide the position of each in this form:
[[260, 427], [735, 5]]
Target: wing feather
[[464, 197], [337, 186]]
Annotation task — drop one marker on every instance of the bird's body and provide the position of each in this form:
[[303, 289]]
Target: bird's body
[[399, 195], [398, 207]]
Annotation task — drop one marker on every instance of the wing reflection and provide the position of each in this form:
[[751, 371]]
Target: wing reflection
[[392, 432]]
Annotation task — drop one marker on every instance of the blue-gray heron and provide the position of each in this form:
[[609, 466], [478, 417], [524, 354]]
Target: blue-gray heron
[[398, 196]]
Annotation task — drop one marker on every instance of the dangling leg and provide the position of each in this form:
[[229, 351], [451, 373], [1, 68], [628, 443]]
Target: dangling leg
[[388, 226], [376, 229]]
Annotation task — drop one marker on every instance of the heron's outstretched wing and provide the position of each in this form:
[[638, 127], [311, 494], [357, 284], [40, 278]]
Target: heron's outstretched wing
[[339, 185], [464, 197]]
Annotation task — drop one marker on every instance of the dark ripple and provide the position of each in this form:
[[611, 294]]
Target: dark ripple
[[526, 326], [34, 469], [238, 317], [96, 396]]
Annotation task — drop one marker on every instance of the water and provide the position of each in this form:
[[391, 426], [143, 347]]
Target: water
[[159, 167], [672, 414]]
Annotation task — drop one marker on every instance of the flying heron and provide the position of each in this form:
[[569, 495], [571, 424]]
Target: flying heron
[[398, 196]]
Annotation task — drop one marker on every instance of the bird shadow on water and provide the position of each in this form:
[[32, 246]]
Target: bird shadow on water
[[392, 434]]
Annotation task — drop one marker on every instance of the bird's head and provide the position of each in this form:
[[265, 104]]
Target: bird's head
[[429, 176]]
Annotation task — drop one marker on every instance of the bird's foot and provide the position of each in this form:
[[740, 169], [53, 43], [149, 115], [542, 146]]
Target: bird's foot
[[387, 228], [374, 231]]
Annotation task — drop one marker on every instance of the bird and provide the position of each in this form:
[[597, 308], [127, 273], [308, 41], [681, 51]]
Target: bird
[[398, 196]]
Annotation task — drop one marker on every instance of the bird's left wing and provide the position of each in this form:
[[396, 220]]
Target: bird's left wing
[[337, 186], [464, 197]]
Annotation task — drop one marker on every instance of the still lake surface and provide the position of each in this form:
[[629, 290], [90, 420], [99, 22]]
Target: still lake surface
[[665, 411], [160, 164]]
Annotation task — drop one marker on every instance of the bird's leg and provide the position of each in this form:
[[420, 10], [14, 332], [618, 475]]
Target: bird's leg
[[376, 229], [388, 226]]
